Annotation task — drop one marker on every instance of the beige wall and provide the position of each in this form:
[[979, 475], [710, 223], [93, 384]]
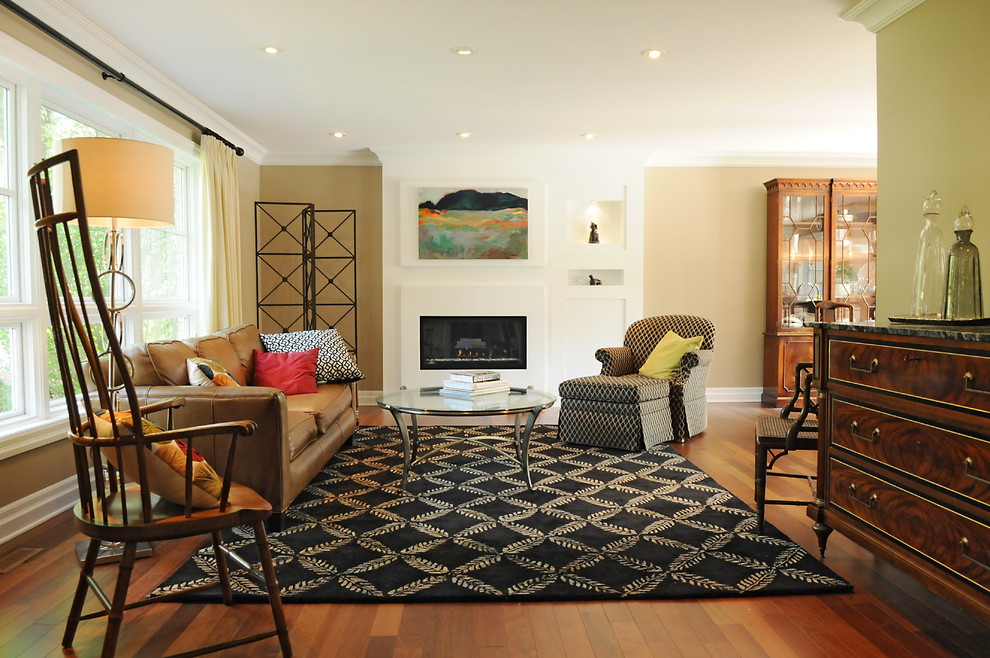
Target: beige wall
[[332, 188], [933, 95], [705, 254]]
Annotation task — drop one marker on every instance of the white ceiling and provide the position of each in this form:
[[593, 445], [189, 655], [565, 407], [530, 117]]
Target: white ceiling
[[749, 78]]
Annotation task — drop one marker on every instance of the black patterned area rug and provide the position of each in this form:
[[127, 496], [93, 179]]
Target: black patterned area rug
[[598, 524]]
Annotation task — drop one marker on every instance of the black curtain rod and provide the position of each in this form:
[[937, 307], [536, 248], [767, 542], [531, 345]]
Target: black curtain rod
[[109, 73]]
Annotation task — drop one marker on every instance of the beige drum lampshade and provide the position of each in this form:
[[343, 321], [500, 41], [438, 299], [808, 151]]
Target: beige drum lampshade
[[124, 180]]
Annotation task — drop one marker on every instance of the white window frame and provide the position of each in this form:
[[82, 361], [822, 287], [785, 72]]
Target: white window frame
[[38, 81]]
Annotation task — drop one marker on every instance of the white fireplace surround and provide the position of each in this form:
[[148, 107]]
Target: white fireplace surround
[[527, 300]]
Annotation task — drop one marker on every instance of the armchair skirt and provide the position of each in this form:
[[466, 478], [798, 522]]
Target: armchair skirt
[[628, 413]]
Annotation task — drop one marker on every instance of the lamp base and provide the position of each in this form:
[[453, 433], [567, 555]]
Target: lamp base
[[111, 552]]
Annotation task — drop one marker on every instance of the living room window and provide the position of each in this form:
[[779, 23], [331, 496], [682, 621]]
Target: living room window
[[34, 116]]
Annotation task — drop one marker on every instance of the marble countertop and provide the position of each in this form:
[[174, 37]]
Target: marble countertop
[[943, 331]]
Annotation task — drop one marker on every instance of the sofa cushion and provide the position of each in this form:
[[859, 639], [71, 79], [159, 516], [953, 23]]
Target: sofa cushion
[[203, 372], [169, 359], [143, 373], [302, 432], [219, 349], [326, 405], [166, 474], [293, 372], [245, 339], [334, 364]]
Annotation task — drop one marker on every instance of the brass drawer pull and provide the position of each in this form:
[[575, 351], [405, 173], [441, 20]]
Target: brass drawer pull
[[854, 431], [968, 380], [871, 503], [964, 548], [874, 366], [968, 465]]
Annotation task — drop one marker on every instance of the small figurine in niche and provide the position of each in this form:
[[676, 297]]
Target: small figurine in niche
[[592, 281], [593, 237]]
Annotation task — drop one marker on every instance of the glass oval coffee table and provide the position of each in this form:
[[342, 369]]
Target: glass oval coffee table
[[519, 402]]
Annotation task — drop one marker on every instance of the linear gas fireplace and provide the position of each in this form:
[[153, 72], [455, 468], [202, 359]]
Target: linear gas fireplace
[[451, 342]]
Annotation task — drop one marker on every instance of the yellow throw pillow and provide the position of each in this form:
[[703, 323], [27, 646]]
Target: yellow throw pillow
[[665, 359], [166, 473]]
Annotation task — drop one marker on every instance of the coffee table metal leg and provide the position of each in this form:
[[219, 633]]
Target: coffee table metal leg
[[518, 437], [414, 419], [406, 448], [533, 414]]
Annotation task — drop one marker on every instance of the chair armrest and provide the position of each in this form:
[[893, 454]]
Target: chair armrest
[[616, 361], [689, 362]]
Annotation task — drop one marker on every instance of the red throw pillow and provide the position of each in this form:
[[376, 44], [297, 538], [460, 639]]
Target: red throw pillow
[[293, 372]]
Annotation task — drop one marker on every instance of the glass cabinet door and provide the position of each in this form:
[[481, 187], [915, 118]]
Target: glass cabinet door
[[802, 258], [854, 254]]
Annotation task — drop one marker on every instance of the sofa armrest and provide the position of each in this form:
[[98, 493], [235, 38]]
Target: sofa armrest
[[262, 457], [616, 361]]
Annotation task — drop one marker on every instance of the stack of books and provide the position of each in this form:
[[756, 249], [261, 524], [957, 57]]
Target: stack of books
[[474, 383]]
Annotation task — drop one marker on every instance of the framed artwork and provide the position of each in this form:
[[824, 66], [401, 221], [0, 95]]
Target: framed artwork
[[479, 223]]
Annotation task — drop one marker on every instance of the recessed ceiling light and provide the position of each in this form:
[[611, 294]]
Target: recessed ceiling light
[[272, 50], [588, 135], [463, 135], [463, 50], [654, 53], [338, 135]]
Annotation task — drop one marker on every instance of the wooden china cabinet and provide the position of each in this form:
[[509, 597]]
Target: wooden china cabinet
[[821, 245]]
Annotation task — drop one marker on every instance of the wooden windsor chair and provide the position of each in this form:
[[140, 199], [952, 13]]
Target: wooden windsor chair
[[143, 497]]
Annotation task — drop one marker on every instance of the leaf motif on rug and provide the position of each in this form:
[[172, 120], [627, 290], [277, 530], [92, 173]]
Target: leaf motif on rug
[[598, 524]]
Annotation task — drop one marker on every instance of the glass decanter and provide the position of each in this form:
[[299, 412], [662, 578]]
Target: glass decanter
[[929, 265], [963, 288]]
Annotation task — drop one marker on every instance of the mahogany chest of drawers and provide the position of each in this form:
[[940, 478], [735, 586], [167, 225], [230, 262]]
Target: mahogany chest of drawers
[[904, 450]]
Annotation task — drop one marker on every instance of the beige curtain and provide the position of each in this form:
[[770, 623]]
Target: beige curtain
[[221, 212]]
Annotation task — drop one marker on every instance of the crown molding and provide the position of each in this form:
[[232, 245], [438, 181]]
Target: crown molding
[[362, 158], [878, 14], [87, 34], [866, 160]]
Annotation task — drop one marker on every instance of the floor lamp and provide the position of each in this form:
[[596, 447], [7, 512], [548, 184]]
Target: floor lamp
[[126, 184]]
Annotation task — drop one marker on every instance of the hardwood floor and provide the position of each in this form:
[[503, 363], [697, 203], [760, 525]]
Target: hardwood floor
[[888, 614]]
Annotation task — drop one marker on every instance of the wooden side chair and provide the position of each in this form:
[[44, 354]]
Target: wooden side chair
[[156, 486], [796, 428]]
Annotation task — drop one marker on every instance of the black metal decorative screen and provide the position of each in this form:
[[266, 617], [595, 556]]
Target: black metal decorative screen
[[306, 268]]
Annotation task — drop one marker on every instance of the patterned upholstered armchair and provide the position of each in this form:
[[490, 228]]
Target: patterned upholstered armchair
[[637, 411]]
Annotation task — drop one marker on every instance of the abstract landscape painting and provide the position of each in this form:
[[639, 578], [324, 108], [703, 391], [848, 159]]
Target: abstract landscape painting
[[473, 224]]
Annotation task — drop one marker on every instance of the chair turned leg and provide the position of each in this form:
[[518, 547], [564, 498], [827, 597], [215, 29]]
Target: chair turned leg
[[223, 574], [271, 583], [75, 612], [760, 485], [116, 615]]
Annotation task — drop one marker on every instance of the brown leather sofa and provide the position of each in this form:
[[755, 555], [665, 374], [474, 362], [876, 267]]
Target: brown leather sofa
[[296, 434]]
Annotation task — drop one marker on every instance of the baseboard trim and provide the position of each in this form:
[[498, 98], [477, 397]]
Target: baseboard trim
[[30, 511], [734, 394]]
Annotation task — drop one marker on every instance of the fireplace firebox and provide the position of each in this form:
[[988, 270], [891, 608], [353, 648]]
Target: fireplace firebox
[[451, 342]]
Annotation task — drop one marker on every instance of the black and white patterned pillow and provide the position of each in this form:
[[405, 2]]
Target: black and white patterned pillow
[[333, 365]]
